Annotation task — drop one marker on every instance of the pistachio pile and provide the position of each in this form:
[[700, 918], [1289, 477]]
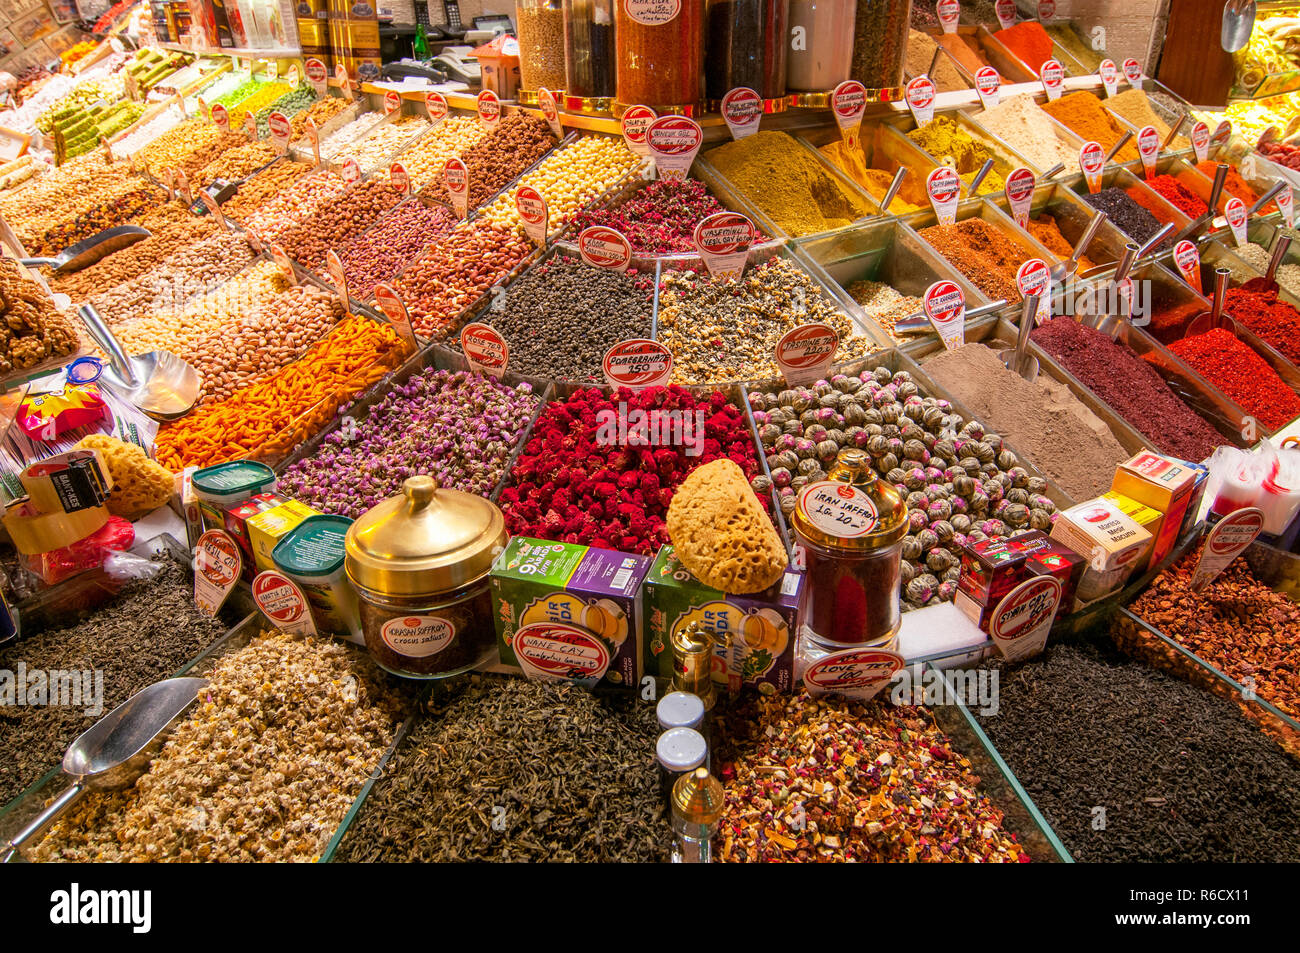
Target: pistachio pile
[[960, 483]]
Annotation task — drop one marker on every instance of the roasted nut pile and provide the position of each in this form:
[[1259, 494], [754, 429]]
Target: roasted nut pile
[[70, 219], [817, 781], [569, 179], [33, 330], [424, 161], [498, 160], [77, 180], [458, 427], [960, 483], [263, 769], [319, 112], [295, 204], [657, 219], [291, 104], [349, 133], [263, 187], [561, 317], [726, 330], [335, 223], [391, 244], [132, 143], [189, 147], [456, 271], [276, 334], [379, 146], [234, 164]]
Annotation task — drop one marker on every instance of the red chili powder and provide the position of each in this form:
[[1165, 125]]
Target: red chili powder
[[1187, 201], [1234, 184], [1243, 375], [1029, 41], [1274, 320], [1170, 324]]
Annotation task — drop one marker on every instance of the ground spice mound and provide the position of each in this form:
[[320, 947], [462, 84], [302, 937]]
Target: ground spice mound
[[817, 780], [920, 53], [945, 139], [851, 161], [1029, 42], [1127, 215], [1133, 105], [1083, 113], [567, 774], [1234, 368], [1234, 185], [1179, 773], [1130, 386], [1041, 419], [1177, 194], [1271, 318], [987, 257], [1048, 233], [143, 635], [785, 180], [1027, 129]]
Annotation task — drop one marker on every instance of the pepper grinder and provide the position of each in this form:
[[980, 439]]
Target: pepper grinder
[[697, 808]]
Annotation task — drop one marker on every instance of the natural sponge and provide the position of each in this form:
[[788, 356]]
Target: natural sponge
[[720, 532], [139, 484]]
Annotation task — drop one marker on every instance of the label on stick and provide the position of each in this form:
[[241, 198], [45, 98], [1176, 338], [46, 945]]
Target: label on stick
[[341, 77], [250, 125], [804, 354], [318, 76], [1019, 190], [351, 172], [217, 565], [213, 208], [1092, 159], [1286, 202], [1035, 278], [550, 111], [742, 109], [489, 110], [1201, 141], [1109, 74], [920, 100], [334, 265], [1132, 71], [283, 603], [1188, 260], [532, 209], [395, 311], [281, 130], [284, 263], [220, 117], [1228, 540], [674, 142], [849, 104], [723, 240], [399, 178], [484, 348], [392, 102], [634, 124], [436, 104], [456, 174], [1006, 12], [604, 247], [1148, 140], [1235, 212], [945, 306], [1053, 76], [313, 137], [637, 363], [989, 86], [943, 185], [948, 12]]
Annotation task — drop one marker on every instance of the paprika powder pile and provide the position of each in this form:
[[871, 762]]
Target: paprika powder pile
[[1174, 192], [1234, 185], [1029, 42], [1083, 113], [1272, 319], [1231, 366]]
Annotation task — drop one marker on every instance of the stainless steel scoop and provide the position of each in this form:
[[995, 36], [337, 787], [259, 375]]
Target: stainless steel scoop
[[1238, 23], [159, 383], [116, 750], [1214, 318], [1019, 359], [1064, 269], [90, 250]]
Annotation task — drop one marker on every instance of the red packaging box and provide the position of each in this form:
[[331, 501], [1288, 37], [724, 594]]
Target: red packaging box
[[992, 568]]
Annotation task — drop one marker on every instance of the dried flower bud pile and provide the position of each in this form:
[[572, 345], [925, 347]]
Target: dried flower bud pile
[[658, 219]]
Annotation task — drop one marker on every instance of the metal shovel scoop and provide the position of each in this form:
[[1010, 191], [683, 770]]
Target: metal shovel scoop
[[90, 250], [895, 184], [1064, 269], [1238, 22], [116, 750], [1268, 284], [1220, 177], [1214, 318], [159, 383], [1019, 359]]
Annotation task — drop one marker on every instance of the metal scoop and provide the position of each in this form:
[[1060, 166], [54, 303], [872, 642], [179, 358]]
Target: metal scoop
[[1019, 359], [159, 383], [1173, 132], [895, 184], [918, 323], [1238, 22], [90, 250], [116, 750], [1268, 284], [1119, 144], [1220, 177], [1154, 241], [1064, 269], [1215, 318], [979, 177]]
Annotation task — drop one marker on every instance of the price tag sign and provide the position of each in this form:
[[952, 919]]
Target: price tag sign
[[392, 102], [183, 187], [313, 137], [254, 241], [1092, 159], [213, 208], [1023, 619], [1046, 10], [920, 100], [532, 209], [281, 130], [1053, 77], [318, 76], [132, 87], [944, 188], [1228, 540], [1132, 71], [1149, 149], [637, 363], [351, 172], [989, 86], [456, 174], [550, 111], [339, 277], [204, 109], [723, 240], [1109, 74], [108, 150], [1235, 212], [849, 104], [856, 674], [217, 565], [399, 177], [948, 12], [674, 141], [1188, 260], [634, 123], [292, 77], [489, 110], [283, 603], [1201, 141], [345, 84], [1035, 278], [603, 247], [1006, 12], [484, 348], [436, 104], [945, 306], [1286, 202], [284, 263], [250, 125], [805, 354], [838, 509], [220, 117], [742, 109], [395, 311], [1222, 132], [1019, 190]]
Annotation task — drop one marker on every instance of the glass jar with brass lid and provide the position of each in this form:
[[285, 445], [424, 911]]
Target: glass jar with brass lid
[[850, 527], [419, 562]]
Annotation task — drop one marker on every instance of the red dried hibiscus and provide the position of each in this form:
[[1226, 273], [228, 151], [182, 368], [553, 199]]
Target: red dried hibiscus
[[575, 484]]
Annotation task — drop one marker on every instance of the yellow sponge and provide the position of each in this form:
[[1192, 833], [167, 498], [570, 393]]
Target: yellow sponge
[[139, 485]]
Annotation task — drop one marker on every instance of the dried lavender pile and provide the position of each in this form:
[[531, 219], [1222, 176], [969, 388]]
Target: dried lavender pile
[[146, 633], [567, 775], [460, 428], [1180, 774], [263, 768]]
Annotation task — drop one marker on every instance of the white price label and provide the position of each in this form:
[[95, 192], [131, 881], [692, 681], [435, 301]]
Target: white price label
[[945, 306], [849, 104], [634, 124], [723, 240], [1053, 78], [1109, 74], [1019, 190], [484, 348], [436, 103], [1188, 261], [637, 363], [1229, 538], [856, 674], [603, 247], [392, 102], [318, 76], [674, 142], [456, 174], [1005, 10], [1092, 159], [217, 565], [943, 186], [804, 354], [1235, 212], [1148, 141], [395, 311], [550, 111], [283, 603], [489, 110], [1201, 141], [988, 84], [742, 110], [838, 509], [920, 100], [532, 209], [1035, 278], [1023, 619], [948, 12]]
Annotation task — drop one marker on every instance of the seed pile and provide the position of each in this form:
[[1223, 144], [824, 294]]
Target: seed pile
[[1127, 215], [235, 164], [460, 428], [561, 317], [567, 774], [297, 203], [1179, 773], [726, 330], [815, 780], [658, 219], [266, 185]]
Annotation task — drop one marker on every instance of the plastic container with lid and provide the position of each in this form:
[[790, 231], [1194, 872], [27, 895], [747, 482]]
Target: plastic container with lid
[[880, 29], [850, 527], [541, 46], [589, 54], [311, 554], [419, 562], [747, 46], [219, 487], [660, 46], [820, 57]]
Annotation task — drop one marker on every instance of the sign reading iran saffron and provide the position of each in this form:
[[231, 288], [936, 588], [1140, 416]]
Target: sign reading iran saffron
[[638, 363]]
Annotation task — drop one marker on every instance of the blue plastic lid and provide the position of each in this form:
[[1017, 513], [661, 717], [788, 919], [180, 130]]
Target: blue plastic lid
[[85, 370]]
